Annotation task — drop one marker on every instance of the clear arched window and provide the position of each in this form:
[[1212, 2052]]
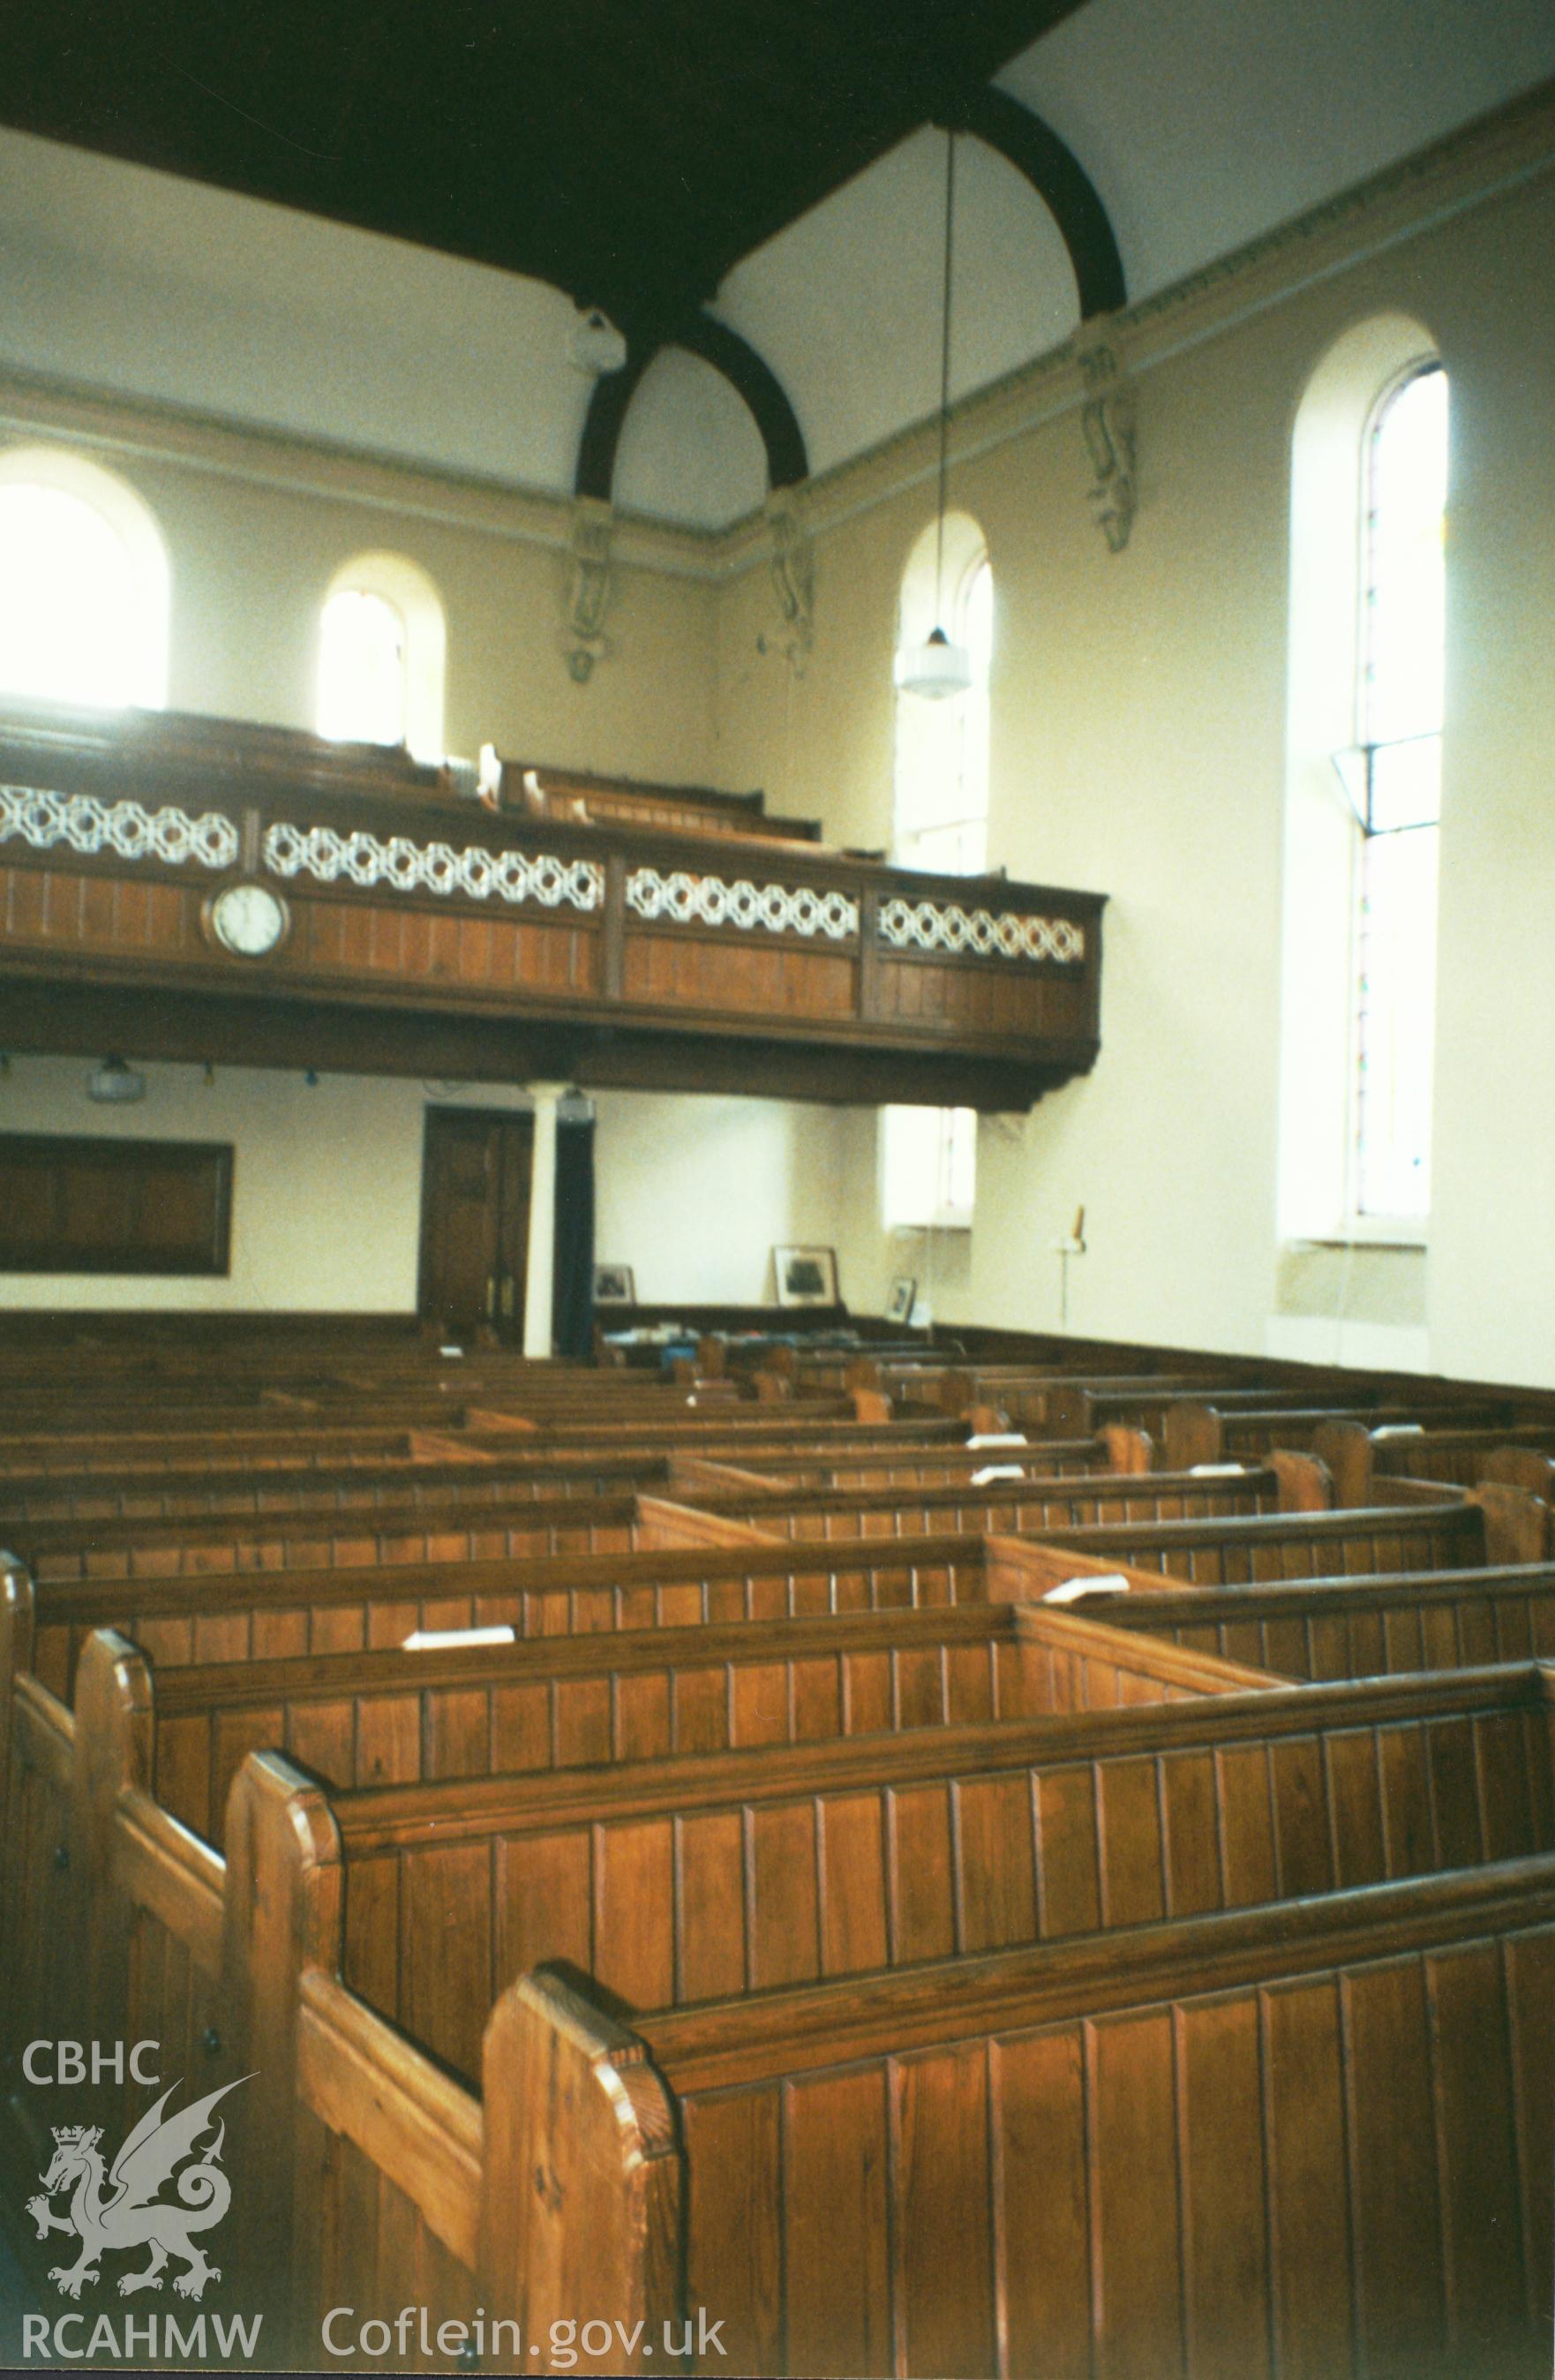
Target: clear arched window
[[1397, 784], [941, 810], [362, 668], [928, 1164], [380, 656], [84, 585], [1364, 787]]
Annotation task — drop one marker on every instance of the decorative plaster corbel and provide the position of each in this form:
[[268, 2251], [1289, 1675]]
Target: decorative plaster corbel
[[793, 580], [590, 588], [1107, 422]]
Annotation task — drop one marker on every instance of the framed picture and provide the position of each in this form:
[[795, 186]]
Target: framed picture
[[613, 1285], [899, 1305], [805, 1275]]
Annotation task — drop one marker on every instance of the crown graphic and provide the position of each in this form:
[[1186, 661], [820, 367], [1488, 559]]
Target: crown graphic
[[77, 2136]]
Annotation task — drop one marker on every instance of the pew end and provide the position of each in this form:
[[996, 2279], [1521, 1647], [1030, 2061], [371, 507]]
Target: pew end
[[582, 2184], [1517, 1526], [1348, 1449], [1305, 1482]]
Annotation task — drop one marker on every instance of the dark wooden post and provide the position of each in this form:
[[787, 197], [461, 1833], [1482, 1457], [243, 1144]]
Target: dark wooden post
[[612, 947]]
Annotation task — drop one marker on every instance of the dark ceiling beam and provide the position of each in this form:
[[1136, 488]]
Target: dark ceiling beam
[[613, 393], [1062, 183], [737, 361], [753, 379]]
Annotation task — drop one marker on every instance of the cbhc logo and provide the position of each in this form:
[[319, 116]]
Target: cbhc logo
[[77, 2061]]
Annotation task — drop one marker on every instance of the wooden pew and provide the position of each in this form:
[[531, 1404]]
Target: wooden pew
[[1216, 1429], [1359, 1456], [1035, 1500], [366, 2164], [361, 1719], [259, 1615], [518, 1528], [1490, 1525], [540, 1518], [1312, 2140], [1358, 1628], [683, 1879]]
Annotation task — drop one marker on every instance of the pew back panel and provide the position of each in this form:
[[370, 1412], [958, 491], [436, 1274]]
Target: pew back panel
[[681, 1881]]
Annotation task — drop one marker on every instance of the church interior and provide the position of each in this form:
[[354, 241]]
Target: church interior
[[778, 1430]]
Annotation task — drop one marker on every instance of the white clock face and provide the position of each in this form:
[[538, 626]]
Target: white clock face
[[249, 920]]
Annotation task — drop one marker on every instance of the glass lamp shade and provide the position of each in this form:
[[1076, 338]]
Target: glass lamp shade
[[934, 669], [113, 1083], [597, 346]]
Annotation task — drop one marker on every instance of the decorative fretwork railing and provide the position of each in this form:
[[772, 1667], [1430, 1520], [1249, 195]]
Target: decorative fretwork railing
[[647, 956]]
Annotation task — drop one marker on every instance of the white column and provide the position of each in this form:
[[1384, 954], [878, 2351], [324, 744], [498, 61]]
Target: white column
[[542, 1223]]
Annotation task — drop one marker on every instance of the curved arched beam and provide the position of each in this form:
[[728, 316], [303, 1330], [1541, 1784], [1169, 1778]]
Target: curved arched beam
[[1063, 184], [750, 377], [753, 379], [613, 392]]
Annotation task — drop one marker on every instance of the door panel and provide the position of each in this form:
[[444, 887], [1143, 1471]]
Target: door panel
[[475, 1220]]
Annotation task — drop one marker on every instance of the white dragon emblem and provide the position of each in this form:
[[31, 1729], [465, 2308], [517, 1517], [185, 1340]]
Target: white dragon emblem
[[125, 2216]]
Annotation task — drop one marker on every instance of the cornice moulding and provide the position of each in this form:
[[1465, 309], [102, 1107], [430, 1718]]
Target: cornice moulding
[[1483, 161], [138, 429]]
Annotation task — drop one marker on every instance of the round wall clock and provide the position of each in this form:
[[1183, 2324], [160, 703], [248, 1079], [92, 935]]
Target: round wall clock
[[250, 920]]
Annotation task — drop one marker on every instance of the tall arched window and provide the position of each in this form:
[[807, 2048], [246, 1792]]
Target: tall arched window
[[381, 648], [941, 808], [928, 1168], [1364, 777], [84, 584], [1397, 787]]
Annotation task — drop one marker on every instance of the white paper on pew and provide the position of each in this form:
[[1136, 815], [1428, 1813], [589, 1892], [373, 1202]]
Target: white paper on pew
[[997, 1438], [453, 1640], [1216, 1470], [995, 1471], [1107, 1582], [451, 1351], [1400, 1429]]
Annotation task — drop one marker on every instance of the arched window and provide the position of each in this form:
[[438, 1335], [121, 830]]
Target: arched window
[[382, 648], [1396, 785], [84, 584], [1364, 777], [941, 810], [928, 1168]]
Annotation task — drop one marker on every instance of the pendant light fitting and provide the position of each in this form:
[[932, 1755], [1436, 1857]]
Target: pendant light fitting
[[938, 667]]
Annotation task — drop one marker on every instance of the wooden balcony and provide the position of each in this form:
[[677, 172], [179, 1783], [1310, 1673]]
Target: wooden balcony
[[429, 935]]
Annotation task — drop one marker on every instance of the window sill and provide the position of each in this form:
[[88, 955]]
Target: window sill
[[1412, 1238]]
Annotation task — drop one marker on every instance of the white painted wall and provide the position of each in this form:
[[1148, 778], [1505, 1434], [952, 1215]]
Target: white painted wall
[[1139, 750], [693, 1192]]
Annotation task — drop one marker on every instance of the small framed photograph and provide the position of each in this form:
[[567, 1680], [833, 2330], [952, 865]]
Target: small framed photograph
[[904, 1294], [805, 1275], [613, 1285]]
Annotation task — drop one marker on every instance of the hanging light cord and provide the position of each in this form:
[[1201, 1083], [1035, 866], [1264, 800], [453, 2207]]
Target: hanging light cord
[[945, 370]]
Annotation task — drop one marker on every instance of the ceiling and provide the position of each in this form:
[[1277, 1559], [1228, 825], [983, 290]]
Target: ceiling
[[439, 184], [630, 154]]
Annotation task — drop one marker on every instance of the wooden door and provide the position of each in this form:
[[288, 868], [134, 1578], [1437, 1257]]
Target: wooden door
[[475, 1220]]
